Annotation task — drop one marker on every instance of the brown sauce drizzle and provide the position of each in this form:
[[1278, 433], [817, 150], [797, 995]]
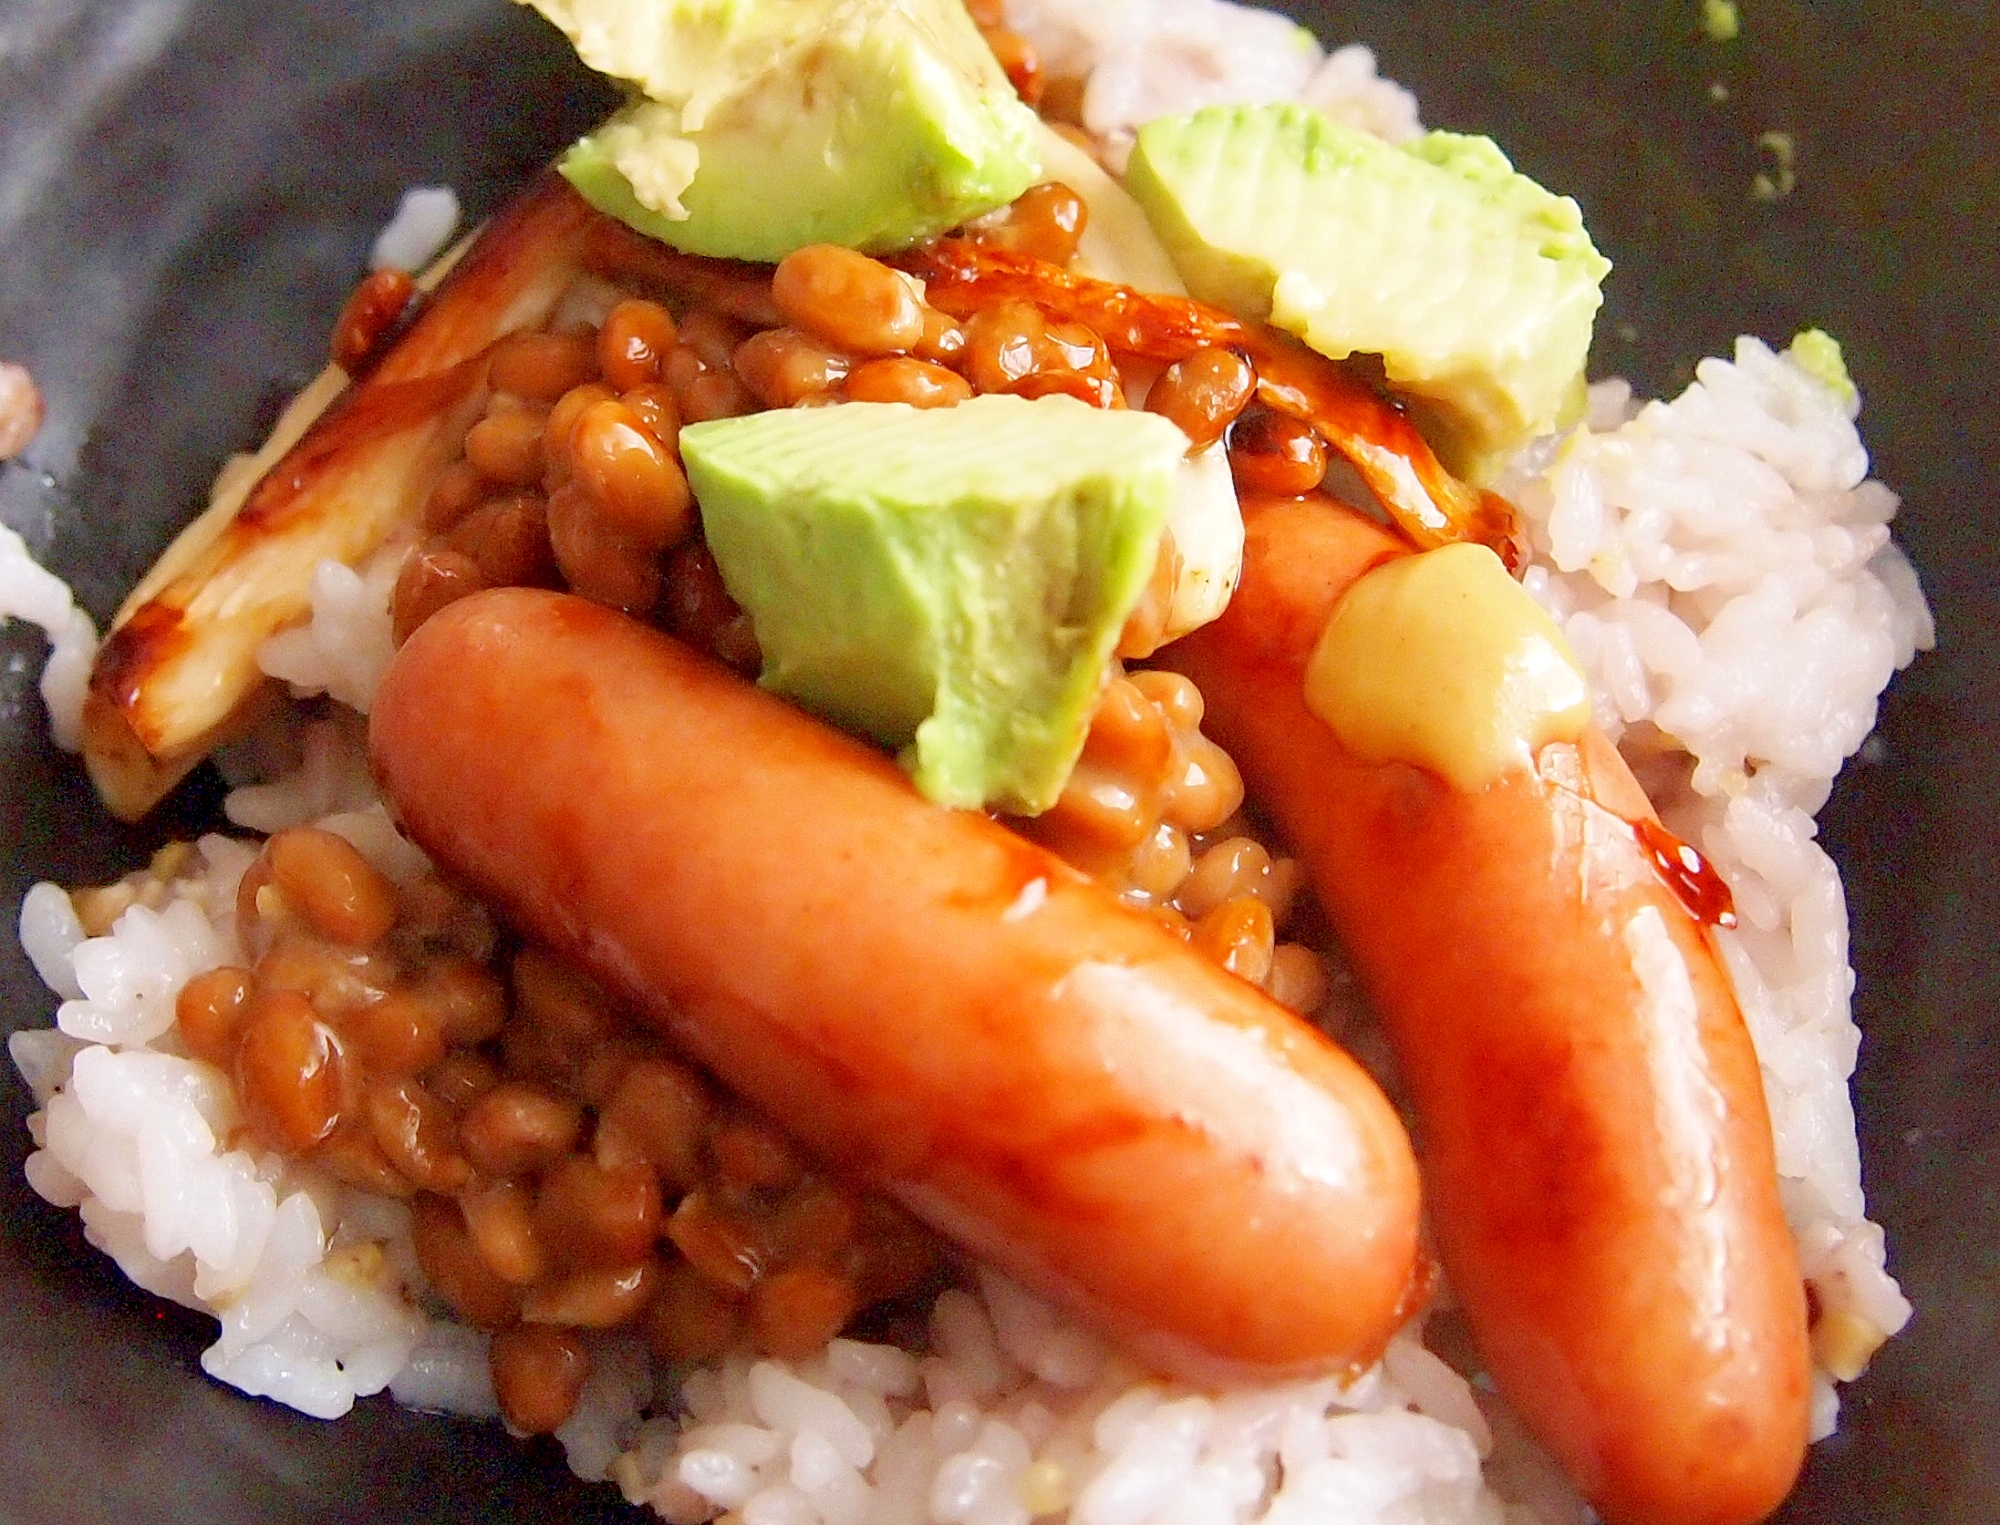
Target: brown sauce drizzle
[[374, 315], [1692, 878], [1373, 432]]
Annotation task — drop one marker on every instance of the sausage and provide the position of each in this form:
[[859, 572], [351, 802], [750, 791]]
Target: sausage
[[928, 1001], [1597, 1154]]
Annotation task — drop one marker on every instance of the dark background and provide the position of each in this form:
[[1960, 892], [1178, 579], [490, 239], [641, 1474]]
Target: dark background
[[187, 191]]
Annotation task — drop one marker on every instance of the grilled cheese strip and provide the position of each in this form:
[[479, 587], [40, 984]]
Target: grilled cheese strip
[[346, 471]]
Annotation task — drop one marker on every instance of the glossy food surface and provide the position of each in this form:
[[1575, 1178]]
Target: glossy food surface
[[940, 1008], [1598, 1164], [187, 192]]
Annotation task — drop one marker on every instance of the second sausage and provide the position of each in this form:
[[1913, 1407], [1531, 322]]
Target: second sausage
[[1597, 1153]]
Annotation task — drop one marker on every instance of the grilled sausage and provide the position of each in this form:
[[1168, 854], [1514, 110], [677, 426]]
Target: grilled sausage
[[1597, 1153], [921, 996]]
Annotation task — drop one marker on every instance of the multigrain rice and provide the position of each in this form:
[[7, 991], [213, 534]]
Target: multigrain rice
[[1721, 565]]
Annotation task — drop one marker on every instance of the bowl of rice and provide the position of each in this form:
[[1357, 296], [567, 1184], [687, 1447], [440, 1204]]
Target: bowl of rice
[[1742, 548]]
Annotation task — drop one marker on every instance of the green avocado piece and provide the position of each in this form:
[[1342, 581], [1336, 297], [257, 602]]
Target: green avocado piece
[[1476, 287], [1817, 353], [949, 581], [759, 126]]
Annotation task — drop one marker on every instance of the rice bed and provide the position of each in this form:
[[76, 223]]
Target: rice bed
[[1721, 564]]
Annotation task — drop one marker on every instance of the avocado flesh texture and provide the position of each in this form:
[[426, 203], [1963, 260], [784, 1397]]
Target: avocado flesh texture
[[949, 581], [1818, 354], [1476, 287], [760, 126]]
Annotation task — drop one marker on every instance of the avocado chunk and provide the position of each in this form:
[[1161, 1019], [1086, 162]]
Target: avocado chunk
[[948, 581], [759, 126], [1817, 353], [1476, 287]]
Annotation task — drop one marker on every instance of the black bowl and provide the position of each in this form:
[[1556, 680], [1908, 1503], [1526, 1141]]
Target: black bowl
[[187, 191]]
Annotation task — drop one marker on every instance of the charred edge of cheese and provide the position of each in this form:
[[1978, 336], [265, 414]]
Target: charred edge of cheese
[[1443, 661]]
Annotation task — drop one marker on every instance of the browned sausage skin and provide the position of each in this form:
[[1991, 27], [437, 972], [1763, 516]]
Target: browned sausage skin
[[1596, 1148], [917, 993]]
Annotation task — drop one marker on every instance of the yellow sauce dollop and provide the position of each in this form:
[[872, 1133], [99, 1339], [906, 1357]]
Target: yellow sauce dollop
[[1444, 661]]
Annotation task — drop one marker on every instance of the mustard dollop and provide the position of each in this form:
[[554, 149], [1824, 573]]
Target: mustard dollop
[[1442, 660]]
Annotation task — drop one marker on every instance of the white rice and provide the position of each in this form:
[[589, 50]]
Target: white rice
[[27, 592], [1722, 566], [345, 645], [309, 1282], [1018, 1415], [1141, 59], [425, 219]]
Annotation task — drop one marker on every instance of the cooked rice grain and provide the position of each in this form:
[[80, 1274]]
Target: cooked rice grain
[[28, 592], [1721, 564]]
